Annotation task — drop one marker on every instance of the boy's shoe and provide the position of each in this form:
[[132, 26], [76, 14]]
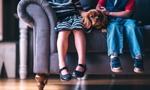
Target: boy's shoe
[[138, 66], [115, 65]]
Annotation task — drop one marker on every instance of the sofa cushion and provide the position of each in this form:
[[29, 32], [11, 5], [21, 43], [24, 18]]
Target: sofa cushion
[[95, 42], [88, 4]]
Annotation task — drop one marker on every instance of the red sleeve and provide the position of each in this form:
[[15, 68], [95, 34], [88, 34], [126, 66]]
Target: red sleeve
[[102, 2], [131, 5]]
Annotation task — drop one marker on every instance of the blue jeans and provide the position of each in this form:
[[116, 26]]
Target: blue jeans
[[119, 29]]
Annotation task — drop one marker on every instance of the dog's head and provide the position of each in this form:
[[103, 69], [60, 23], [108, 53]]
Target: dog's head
[[94, 18]]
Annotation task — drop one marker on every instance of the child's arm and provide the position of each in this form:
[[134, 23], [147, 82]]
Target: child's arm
[[125, 13], [82, 13]]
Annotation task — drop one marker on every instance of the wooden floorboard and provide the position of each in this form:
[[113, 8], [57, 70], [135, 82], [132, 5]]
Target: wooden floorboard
[[88, 84]]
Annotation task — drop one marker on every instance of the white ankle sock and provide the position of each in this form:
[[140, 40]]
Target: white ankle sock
[[114, 55], [138, 57]]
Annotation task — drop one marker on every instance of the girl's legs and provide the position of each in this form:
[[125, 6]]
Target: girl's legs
[[80, 43], [62, 47]]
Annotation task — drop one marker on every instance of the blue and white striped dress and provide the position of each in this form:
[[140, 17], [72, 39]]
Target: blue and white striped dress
[[67, 14]]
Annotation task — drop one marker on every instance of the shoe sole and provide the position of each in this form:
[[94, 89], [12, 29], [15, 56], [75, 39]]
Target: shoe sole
[[117, 70], [138, 71], [82, 78], [65, 80]]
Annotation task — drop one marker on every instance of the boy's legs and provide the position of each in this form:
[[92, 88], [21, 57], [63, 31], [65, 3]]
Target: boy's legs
[[133, 33], [114, 38], [115, 44]]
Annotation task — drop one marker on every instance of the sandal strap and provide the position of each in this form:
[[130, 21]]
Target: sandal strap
[[63, 69], [83, 66]]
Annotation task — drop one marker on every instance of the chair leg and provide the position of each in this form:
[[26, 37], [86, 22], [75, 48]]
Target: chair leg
[[42, 80]]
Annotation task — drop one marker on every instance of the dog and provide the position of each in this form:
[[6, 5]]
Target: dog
[[95, 19]]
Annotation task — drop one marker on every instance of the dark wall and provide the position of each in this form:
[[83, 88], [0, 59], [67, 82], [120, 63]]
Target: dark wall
[[11, 33], [10, 23], [10, 29], [143, 11]]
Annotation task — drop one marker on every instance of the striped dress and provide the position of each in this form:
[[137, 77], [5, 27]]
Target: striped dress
[[67, 14]]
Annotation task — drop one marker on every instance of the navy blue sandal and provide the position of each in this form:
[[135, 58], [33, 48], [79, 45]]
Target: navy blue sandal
[[65, 77], [79, 74]]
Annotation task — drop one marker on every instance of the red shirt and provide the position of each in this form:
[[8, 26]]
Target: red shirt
[[130, 5]]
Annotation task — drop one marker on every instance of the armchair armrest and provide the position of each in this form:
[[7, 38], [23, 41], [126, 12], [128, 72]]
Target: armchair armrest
[[39, 15], [26, 15]]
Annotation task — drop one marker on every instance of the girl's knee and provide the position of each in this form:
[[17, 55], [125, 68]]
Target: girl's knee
[[63, 34]]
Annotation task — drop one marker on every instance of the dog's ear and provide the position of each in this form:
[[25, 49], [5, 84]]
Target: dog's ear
[[104, 19], [86, 22]]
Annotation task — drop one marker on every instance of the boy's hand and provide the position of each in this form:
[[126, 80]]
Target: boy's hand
[[103, 9]]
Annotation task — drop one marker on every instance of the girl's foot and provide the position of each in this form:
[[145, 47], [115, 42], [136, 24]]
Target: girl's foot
[[64, 77], [80, 71]]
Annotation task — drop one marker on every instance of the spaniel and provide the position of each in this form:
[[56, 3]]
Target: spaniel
[[95, 19]]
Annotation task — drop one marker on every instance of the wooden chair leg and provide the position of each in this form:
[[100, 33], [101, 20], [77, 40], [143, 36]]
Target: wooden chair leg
[[42, 80]]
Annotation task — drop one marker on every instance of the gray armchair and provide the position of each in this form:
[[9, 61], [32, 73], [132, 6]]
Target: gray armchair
[[39, 15]]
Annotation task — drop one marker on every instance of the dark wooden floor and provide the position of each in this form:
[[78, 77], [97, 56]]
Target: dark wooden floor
[[95, 82]]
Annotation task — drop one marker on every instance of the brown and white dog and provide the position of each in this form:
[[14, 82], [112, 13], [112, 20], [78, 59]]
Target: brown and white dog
[[95, 19]]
